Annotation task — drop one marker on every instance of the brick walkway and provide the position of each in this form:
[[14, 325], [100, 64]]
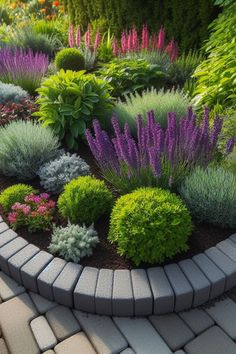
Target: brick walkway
[[30, 324]]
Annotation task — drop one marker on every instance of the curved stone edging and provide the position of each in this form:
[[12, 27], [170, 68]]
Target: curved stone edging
[[157, 290]]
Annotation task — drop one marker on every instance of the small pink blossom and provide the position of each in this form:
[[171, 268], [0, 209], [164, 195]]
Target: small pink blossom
[[12, 217], [51, 203], [37, 199], [42, 209], [16, 206], [29, 198], [44, 195], [26, 209]]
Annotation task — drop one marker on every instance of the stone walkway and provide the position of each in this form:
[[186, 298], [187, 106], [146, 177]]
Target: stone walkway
[[30, 324]]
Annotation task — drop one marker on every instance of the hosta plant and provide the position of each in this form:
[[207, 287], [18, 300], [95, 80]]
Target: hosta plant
[[69, 100], [14, 194], [73, 242]]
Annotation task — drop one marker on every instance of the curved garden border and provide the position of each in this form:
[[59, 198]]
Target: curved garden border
[[157, 290]]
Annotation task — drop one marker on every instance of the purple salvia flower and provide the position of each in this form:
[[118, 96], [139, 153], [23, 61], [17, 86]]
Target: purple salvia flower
[[154, 161], [229, 146], [218, 122], [115, 125], [127, 132]]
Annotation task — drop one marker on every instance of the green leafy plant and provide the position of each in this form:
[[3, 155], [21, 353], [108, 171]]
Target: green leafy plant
[[11, 93], [70, 59], [84, 200], [69, 101], [14, 194], [24, 147], [57, 29], [154, 57], [211, 196], [149, 225], [73, 242]]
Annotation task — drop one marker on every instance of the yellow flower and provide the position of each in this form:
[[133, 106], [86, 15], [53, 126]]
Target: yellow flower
[[13, 6], [43, 11], [41, 1]]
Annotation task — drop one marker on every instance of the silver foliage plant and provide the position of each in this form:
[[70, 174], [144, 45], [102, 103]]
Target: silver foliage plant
[[11, 93], [73, 242], [55, 174]]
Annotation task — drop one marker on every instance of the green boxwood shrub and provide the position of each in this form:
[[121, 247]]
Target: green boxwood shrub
[[211, 196], [14, 194], [84, 200], [70, 59], [150, 225]]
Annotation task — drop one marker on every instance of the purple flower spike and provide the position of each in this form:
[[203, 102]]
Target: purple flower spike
[[229, 146]]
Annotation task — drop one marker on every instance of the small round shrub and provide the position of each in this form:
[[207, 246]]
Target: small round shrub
[[73, 242], [84, 200], [149, 225], [11, 93], [24, 147], [14, 194], [210, 195], [69, 59], [55, 174]]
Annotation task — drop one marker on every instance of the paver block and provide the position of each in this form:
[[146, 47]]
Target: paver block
[[216, 277], [140, 335], [228, 247], [47, 277], [102, 332], [9, 288], [3, 347], [43, 333], [103, 296], [3, 227], [9, 250], [224, 314], [197, 319], [62, 322], [233, 238], [31, 270], [77, 344], [181, 286], [179, 352], [200, 284], [42, 305], [213, 341], [127, 351], [7, 236], [172, 329], [227, 265], [19, 259], [143, 298], [64, 285], [122, 295], [49, 352], [84, 293], [163, 294]]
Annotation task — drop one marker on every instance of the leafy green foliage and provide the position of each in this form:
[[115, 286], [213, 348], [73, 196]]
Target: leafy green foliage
[[127, 75], [11, 93], [69, 59], [70, 100], [154, 57], [56, 28], [149, 225], [24, 147], [14, 194], [84, 200], [73, 242], [211, 196]]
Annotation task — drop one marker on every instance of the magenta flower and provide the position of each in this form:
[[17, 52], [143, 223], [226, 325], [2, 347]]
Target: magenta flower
[[161, 39], [44, 195], [12, 217], [97, 41]]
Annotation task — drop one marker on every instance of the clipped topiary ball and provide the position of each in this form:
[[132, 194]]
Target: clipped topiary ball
[[13, 194], [149, 225], [84, 200], [69, 59]]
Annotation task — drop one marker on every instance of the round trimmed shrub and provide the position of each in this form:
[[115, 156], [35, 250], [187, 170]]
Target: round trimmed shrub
[[84, 200], [14, 194], [69, 59], [210, 195], [150, 225]]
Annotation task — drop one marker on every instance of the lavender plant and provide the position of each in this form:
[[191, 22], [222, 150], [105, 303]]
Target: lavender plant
[[158, 157], [23, 68]]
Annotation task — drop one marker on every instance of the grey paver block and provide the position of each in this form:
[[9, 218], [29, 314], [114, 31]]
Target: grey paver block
[[227, 265], [9, 288], [122, 295], [213, 341], [103, 296], [31, 270], [42, 305], [127, 351], [3, 227], [9, 250], [77, 344], [64, 285], [216, 277], [3, 347], [224, 314], [163, 294], [200, 284], [43, 333], [197, 319], [140, 335], [47, 277], [102, 332], [228, 247], [179, 352], [7, 236], [62, 322], [181, 286], [84, 293], [233, 237], [142, 292], [173, 330], [19, 259]]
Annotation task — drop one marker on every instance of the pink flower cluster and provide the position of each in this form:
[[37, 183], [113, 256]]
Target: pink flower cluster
[[76, 39]]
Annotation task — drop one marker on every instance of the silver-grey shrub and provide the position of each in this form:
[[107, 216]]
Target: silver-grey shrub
[[55, 174], [11, 93], [211, 196], [24, 147], [73, 242]]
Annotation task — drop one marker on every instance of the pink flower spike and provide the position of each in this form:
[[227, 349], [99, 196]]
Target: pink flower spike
[[71, 39], [87, 38], [97, 41], [161, 39], [78, 37]]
